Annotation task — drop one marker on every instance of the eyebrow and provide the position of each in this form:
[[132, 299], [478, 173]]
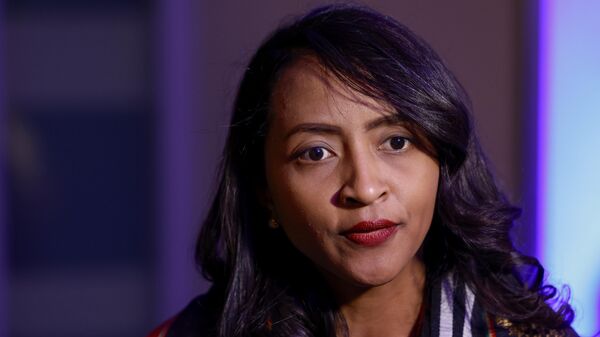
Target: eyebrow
[[324, 128], [317, 128], [388, 120]]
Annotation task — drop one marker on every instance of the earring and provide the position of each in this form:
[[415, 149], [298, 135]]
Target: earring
[[273, 224]]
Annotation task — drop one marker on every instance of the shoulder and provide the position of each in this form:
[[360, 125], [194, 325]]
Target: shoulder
[[198, 318], [531, 330], [454, 306], [161, 330]]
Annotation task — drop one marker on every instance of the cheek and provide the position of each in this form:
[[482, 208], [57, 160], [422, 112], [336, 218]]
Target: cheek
[[302, 193], [301, 200], [418, 191], [426, 194], [295, 203], [427, 201], [307, 233]]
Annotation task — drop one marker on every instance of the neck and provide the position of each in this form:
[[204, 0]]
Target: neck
[[387, 310]]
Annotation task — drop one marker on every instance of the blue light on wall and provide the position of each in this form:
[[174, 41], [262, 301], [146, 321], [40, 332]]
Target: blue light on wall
[[569, 153]]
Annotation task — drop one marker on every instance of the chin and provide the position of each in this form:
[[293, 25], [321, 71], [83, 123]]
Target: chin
[[375, 272], [368, 271], [374, 281], [371, 277]]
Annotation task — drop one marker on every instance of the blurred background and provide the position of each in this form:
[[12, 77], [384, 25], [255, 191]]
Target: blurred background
[[113, 114]]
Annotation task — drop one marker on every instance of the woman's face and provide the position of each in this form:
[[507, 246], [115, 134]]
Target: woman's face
[[348, 186]]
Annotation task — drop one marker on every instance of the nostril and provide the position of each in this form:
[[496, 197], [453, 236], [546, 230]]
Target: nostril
[[351, 201], [339, 199]]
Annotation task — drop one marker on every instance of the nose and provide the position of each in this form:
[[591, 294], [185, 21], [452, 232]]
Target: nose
[[364, 184]]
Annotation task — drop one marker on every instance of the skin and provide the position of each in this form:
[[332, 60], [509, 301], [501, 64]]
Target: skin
[[333, 158]]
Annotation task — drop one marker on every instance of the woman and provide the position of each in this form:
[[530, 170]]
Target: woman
[[354, 199]]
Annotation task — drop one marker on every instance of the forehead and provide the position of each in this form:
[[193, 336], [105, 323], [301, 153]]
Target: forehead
[[307, 90]]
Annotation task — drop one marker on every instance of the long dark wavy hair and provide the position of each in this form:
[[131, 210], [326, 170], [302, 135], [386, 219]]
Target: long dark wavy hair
[[263, 286]]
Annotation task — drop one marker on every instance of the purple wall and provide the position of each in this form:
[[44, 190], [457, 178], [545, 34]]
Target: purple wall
[[180, 198], [3, 162]]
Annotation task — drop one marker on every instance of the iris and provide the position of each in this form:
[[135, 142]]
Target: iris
[[397, 143], [316, 153]]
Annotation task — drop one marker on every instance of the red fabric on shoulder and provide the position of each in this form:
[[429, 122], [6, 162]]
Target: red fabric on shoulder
[[161, 330]]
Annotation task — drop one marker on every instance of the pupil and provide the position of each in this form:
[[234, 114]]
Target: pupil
[[316, 153], [397, 143]]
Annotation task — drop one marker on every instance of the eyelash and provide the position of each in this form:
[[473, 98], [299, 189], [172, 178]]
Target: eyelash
[[304, 155]]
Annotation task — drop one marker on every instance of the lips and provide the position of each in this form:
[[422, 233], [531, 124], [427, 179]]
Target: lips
[[371, 233]]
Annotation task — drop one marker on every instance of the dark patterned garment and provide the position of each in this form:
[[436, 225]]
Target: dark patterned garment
[[451, 310]]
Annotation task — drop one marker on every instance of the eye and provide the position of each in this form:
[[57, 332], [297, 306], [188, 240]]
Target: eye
[[317, 153], [395, 144]]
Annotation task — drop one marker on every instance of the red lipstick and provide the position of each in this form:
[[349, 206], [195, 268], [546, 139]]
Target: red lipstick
[[371, 233]]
